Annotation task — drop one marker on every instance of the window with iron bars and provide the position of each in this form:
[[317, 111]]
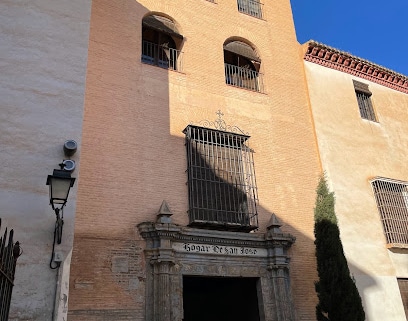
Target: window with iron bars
[[392, 202], [250, 7], [221, 180], [243, 78], [365, 105], [161, 55], [403, 286], [161, 42], [241, 66]]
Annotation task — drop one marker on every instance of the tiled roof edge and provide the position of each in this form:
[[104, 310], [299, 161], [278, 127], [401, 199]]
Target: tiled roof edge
[[339, 60]]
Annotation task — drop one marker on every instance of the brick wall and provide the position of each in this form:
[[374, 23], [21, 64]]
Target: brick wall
[[133, 154]]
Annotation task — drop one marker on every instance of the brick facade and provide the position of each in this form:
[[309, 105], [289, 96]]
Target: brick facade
[[133, 153]]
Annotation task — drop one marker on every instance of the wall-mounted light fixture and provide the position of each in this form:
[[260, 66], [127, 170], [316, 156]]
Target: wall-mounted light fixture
[[60, 183]]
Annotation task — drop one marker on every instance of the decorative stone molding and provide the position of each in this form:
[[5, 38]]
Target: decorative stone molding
[[173, 251], [339, 60]]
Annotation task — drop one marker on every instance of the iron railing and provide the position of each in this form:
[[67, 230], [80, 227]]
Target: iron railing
[[243, 78], [251, 7], [221, 180], [9, 252], [162, 56]]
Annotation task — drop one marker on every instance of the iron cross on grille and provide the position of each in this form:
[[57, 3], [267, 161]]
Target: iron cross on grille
[[220, 123]]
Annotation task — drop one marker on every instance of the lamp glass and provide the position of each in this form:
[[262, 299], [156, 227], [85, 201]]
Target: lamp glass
[[59, 189]]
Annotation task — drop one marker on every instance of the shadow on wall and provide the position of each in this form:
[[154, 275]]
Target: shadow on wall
[[112, 284], [126, 276]]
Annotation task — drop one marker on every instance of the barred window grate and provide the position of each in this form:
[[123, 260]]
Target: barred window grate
[[365, 105], [221, 180], [392, 202], [403, 286], [250, 7]]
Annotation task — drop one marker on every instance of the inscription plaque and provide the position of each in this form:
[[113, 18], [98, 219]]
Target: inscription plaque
[[219, 249]]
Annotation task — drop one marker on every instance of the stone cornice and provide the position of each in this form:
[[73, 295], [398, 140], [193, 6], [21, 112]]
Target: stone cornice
[[153, 231], [339, 60]]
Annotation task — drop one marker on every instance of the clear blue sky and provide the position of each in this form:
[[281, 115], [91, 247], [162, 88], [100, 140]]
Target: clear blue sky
[[375, 30]]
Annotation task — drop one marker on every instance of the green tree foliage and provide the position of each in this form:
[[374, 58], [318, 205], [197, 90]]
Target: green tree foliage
[[339, 299]]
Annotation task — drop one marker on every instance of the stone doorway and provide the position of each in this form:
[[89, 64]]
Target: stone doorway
[[220, 299], [190, 270]]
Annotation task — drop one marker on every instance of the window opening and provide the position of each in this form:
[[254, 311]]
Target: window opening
[[242, 66], [221, 180], [160, 43], [403, 286], [392, 202], [250, 7], [365, 105]]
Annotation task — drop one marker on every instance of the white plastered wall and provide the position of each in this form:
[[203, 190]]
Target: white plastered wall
[[353, 151], [43, 55]]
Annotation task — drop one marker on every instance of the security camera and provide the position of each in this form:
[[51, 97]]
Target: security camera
[[70, 147]]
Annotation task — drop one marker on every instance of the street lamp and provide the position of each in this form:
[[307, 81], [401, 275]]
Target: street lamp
[[60, 183]]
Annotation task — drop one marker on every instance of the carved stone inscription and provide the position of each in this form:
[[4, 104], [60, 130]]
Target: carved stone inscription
[[219, 249]]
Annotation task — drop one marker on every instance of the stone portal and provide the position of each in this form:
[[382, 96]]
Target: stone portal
[[200, 262]]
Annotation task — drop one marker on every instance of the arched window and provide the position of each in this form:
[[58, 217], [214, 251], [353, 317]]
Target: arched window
[[161, 42], [242, 66]]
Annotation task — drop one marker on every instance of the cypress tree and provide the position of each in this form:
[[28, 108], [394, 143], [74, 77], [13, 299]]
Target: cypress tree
[[338, 296]]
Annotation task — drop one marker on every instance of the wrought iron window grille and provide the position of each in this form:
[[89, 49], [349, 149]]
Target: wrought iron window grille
[[403, 286], [363, 95], [251, 7], [221, 177], [392, 202]]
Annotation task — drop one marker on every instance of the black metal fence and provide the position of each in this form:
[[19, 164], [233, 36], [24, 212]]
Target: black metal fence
[[9, 252]]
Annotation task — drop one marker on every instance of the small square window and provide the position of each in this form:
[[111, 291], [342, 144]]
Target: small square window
[[365, 105]]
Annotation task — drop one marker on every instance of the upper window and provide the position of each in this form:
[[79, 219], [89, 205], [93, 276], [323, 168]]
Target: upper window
[[250, 7], [161, 42], [364, 100], [221, 180], [242, 65], [392, 203]]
